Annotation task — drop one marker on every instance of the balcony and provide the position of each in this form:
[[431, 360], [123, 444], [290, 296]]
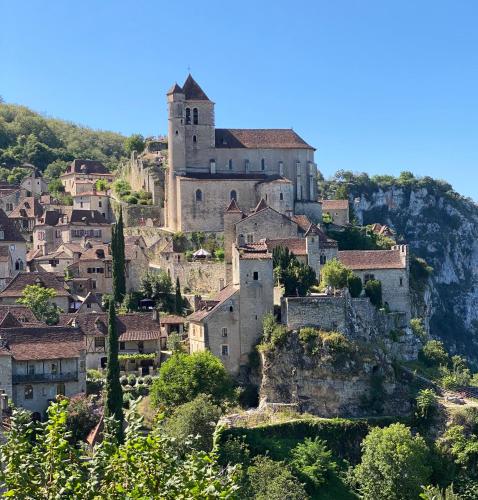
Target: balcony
[[45, 377]]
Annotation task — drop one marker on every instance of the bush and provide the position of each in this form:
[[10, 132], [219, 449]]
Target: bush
[[130, 199], [148, 379], [373, 290], [219, 253], [140, 381], [418, 329], [433, 353], [184, 376], [426, 404], [132, 380], [354, 284], [313, 461], [82, 415], [123, 380], [335, 342], [94, 375], [334, 274]]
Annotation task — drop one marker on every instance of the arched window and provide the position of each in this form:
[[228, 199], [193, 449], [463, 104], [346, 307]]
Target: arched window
[[188, 116], [263, 164], [281, 196], [198, 195], [195, 116], [230, 164], [19, 265], [195, 139], [233, 195]]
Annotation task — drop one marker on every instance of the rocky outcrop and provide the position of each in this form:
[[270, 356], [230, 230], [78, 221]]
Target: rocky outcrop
[[441, 227]]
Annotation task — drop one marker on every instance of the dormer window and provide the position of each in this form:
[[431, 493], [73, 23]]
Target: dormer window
[[188, 116], [195, 116]]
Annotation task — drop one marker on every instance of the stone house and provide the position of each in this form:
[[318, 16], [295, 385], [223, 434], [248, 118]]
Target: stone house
[[207, 167], [230, 324], [338, 211], [13, 291], [13, 249], [38, 363], [55, 228], [390, 267], [84, 170], [24, 215], [171, 323], [22, 315], [57, 261], [10, 196], [34, 184], [94, 200]]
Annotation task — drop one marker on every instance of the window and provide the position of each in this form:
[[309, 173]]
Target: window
[[31, 369], [323, 260], [225, 350], [195, 116], [60, 389], [99, 342], [81, 204], [224, 332], [198, 195], [54, 368], [231, 309], [263, 164], [28, 394], [41, 235], [57, 233], [195, 139], [93, 284], [368, 277], [401, 281], [100, 270], [233, 195], [2, 235], [88, 306], [250, 238], [9, 207], [122, 346], [230, 164], [19, 265], [141, 346], [177, 133], [281, 196], [108, 269], [100, 204], [246, 165], [255, 276], [188, 116]]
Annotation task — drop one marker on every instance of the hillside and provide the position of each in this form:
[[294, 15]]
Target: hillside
[[441, 226], [27, 136]]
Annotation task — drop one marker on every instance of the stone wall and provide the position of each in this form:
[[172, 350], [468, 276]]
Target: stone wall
[[202, 277], [140, 215]]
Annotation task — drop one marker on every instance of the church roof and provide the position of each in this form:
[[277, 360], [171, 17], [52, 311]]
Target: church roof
[[233, 207], [267, 138], [175, 89], [192, 90]]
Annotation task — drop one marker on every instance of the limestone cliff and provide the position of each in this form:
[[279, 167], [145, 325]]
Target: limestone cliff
[[441, 227]]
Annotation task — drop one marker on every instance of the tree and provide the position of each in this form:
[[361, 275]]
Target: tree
[[82, 416], [37, 298], [196, 418], [334, 274], [114, 392], [134, 142], [434, 353], [354, 284], [184, 376], [394, 464], [426, 403], [158, 287], [178, 299], [101, 185], [296, 277], [117, 251], [313, 461], [270, 480], [373, 290], [54, 170]]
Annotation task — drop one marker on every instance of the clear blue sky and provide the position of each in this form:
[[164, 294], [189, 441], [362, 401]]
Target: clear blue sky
[[375, 85]]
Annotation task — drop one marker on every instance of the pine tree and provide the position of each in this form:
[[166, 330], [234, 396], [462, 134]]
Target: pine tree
[[117, 251], [114, 393], [178, 299]]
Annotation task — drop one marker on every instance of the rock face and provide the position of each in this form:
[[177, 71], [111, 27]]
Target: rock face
[[346, 384], [441, 227]]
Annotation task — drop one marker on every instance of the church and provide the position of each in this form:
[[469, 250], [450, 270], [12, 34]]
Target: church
[[208, 167]]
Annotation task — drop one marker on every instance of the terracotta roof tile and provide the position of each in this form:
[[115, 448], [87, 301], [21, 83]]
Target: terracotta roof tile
[[211, 305], [192, 90], [22, 313], [259, 139], [233, 207], [371, 259], [171, 319], [80, 166], [296, 245], [10, 231], [28, 207], [335, 204], [22, 279]]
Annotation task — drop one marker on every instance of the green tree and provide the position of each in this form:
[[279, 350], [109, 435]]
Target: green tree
[[434, 353], [296, 277], [270, 480], [394, 464], [158, 287], [117, 251], [354, 284], [196, 418], [178, 298], [373, 290], [114, 393], [335, 274], [313, 462], [134, 142], [81, 416], [184, 376], [38, 299], [54, 170], [102, 185], [426, 403]]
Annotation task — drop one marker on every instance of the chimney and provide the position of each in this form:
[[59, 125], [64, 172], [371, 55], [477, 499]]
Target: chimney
[[197, 302], [156, 315], [240, 240]]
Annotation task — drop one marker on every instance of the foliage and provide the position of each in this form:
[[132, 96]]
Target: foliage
[[136, 356], [335, 274], [144, 466], [416, 324], [420, 272], [158, 287], [102, 185], [462, 445], [433, 353], [360, 238], [175, 343], [436, 493], [121, 187], [426, 404], [196, 418], [114, 395], [274, 334], [26, 136], [178, 298], [134, 142], [312, 460], [335, 342], [354, 284], [81, 416], [458, 376], [184, 376], [373, 290], [118, 257], [296, 277], [54, 170], [271, 480], [394, 464], [37, 298]]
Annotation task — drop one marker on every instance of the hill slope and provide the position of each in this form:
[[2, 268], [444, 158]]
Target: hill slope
[[26, 136]]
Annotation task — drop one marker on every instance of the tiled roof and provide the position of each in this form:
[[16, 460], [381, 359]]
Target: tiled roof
[[80, 166], [4, 254], [9, 321], [302, 221], [335, 204], [90, 216], [371, 259], [192, 90], [175, 89], [254, 251], [261, 205], [259, 139], [22, 279], [171, 319], [211, 305], [47, 342], [296, 245], [233, 207], [132, 335], [28, 207], [22, 313], [10, 231]]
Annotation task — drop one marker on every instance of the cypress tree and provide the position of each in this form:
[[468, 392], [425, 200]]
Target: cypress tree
[[178, 299], [114, 393], [117, 251]]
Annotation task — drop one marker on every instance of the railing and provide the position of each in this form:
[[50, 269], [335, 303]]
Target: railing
[[45, 377]]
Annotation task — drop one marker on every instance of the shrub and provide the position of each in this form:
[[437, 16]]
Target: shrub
[[123, 380], [94, 375], [373, 290], [335, 342], [308, 334], [334, 274], [354, 284], [148, 379], [426, 403], [140, 381], [219, 253], [433, 353], [130, 199], [416, 324], [82, 415], [132, 380], [313, 461]]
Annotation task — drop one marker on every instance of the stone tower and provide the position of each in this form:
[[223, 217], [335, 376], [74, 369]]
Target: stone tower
[[232, 215]]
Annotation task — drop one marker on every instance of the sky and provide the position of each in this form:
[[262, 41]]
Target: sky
[[377, 86]]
